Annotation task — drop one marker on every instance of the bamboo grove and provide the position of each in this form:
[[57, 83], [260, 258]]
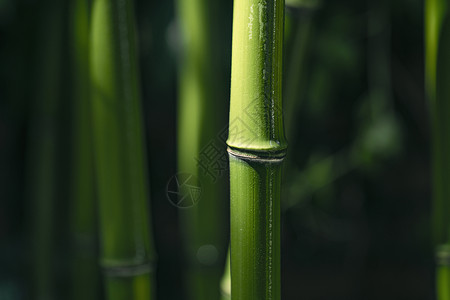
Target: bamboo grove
[[217, 150]]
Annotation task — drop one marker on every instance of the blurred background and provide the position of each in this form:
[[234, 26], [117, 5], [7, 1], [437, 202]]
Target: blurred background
[[356, 191]]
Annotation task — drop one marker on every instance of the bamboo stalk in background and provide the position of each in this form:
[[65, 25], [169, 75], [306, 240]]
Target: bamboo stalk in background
[[83, 222], [257, 147], [43, 146], [442, 206], [437, 74], [435, 13], [298, 30], [126, 244], [201, 118]]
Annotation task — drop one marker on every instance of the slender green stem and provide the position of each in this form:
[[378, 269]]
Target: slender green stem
[[299, 29], [435, 11], [443, 272], [437, 74], [202, 117], [127, 253], [298, 32], [256, 148], [85, 271], [296, 71], [442, 201], [437, 55], [255, 229], [43, 146], [442, 114]]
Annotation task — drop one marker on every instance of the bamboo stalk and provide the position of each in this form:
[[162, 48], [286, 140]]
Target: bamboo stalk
[[443, 272], [442, 106], [437, 73], [435, 13], [85, 273], [201, 118], [442, 201], [43, 146], [126, 245], [225, 283], [257, 147], [298, 28]]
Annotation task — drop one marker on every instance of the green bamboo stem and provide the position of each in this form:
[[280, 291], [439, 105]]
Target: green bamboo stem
[[84, 269], [256, 148], [126, 245], [303, 4], [437, 73], [301, 27], [43, 146], [437, 54], [201, 118], [442, 205], [255, 229], [442, 106]]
